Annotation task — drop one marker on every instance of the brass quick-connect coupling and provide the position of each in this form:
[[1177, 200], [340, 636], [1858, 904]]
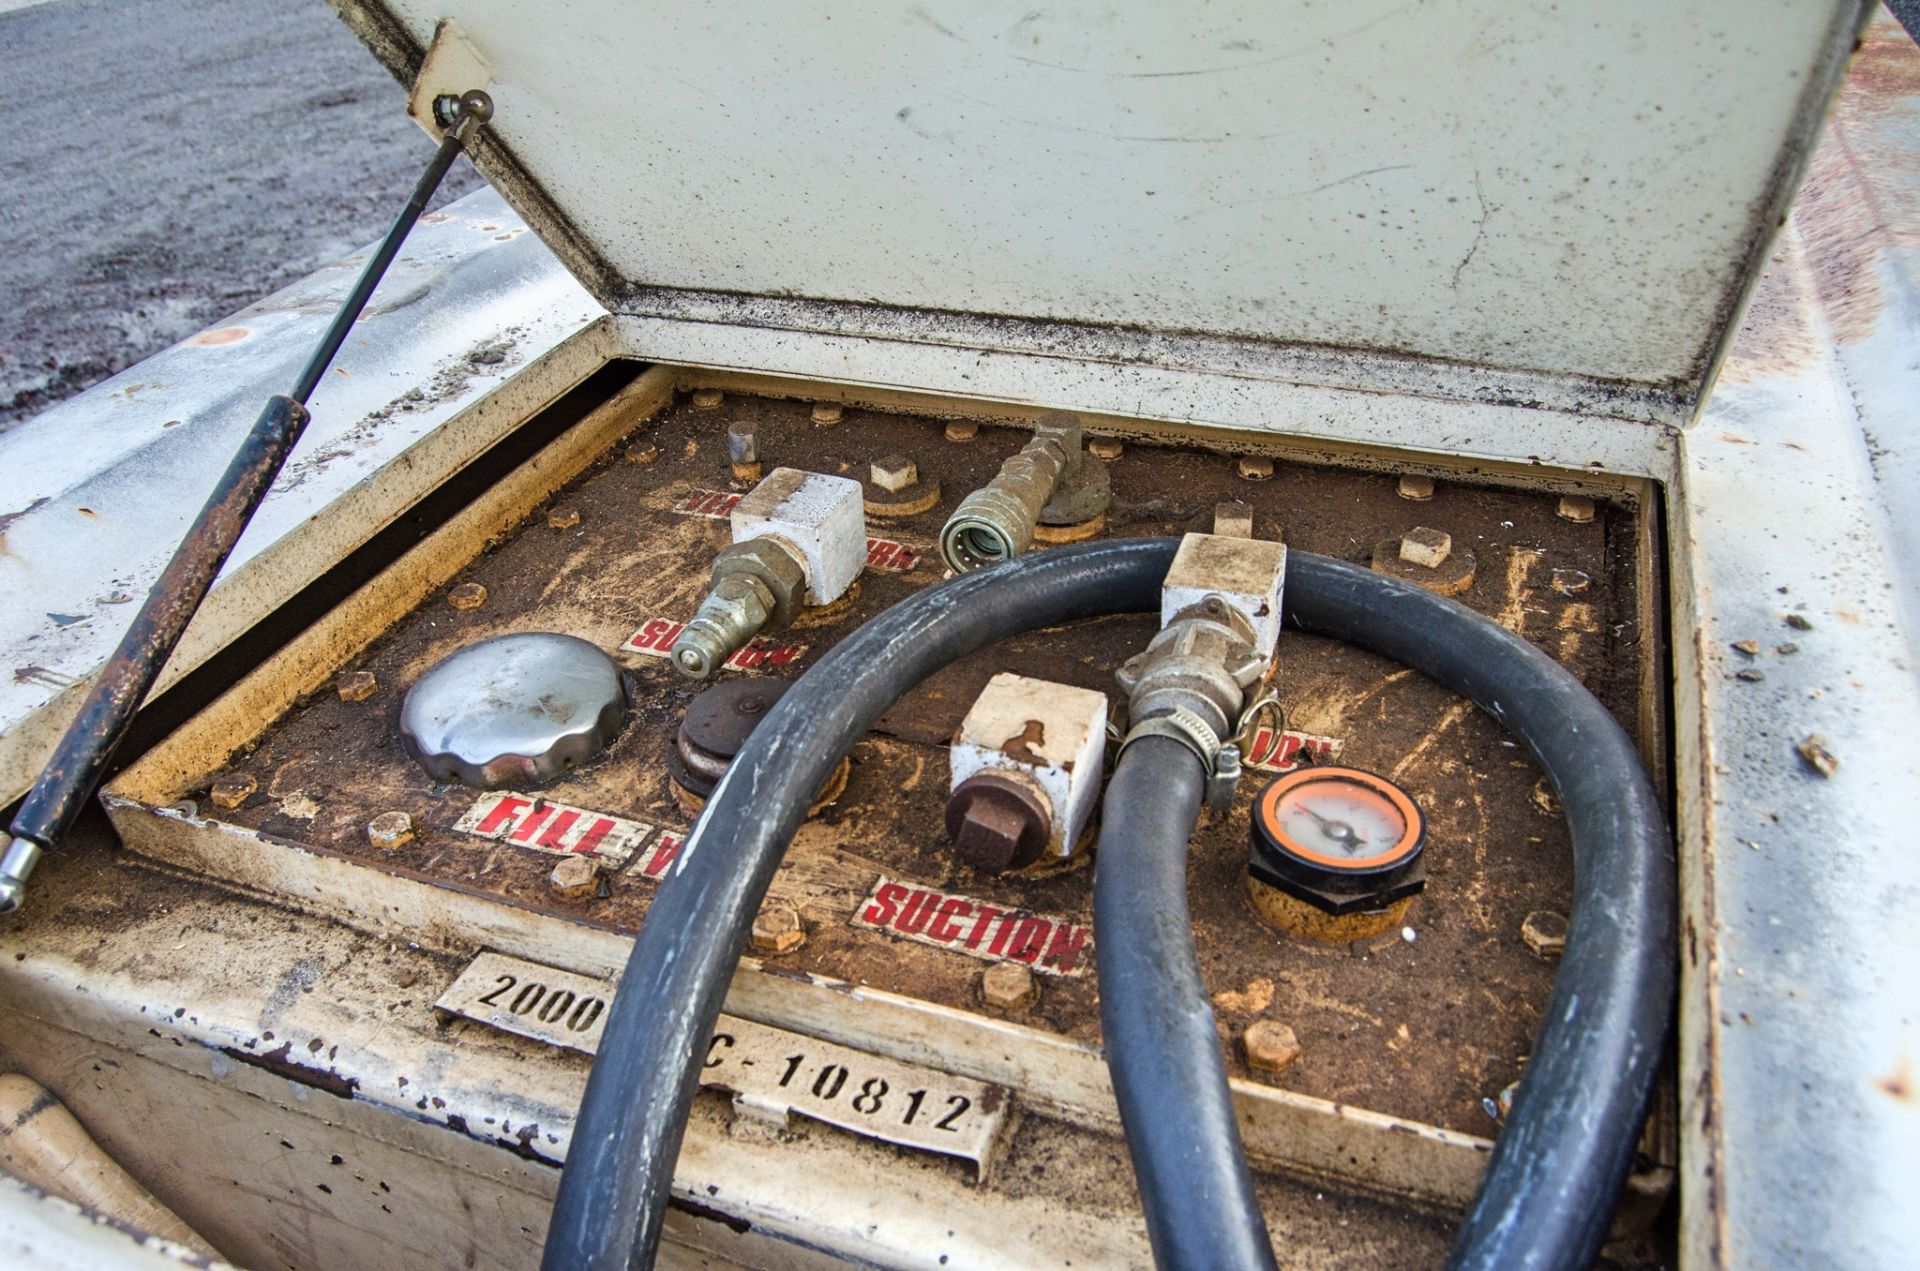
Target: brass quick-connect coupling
[[756, 584], [995, 523]]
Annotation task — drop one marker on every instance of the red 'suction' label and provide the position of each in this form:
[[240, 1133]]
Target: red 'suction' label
[[1056, 946]]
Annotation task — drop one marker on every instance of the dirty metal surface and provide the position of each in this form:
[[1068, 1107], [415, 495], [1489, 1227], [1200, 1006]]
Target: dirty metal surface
[[1798, 537], [1424, 1024], [1231, 178], [305, 1105]]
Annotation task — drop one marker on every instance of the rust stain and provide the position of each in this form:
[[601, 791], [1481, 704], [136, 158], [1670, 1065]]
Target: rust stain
[[1899, 1082], [219, 336], [1023, 744], [279, 1061]]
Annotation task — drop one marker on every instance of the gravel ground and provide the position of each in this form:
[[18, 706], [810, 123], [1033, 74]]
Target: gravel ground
[[169, 163]]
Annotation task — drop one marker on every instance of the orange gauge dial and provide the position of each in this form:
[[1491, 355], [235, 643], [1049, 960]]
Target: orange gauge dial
[[1341, 818], [1339, 839]]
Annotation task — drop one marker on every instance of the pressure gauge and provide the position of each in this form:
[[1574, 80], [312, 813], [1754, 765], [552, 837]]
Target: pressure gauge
[[1336, 853]]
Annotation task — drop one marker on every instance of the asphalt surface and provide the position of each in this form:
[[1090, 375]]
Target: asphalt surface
[[168, 163]]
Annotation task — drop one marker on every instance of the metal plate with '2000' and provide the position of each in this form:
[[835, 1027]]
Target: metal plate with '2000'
[[770, 1072]]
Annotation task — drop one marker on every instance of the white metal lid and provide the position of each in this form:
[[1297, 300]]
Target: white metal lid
[[1488, 199]]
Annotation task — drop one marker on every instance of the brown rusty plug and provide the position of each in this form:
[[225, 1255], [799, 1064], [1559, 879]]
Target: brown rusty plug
[[998, 820]]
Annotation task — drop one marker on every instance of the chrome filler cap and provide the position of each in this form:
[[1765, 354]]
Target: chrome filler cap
[[515, 710]]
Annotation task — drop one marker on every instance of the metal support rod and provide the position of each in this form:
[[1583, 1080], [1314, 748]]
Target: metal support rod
[[82, 756]]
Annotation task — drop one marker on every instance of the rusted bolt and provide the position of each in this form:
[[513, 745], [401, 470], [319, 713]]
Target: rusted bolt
[[962, 430], [1575, 508], [778, 929], [643, 452], [827, 414], [1256, 467], [467, 596], [1269, 1046], [1232, 520], [894, 473], [1418, 489], [1427, 548], [356, 686], [390, 830], [1008, 986], [1545, 932], [575, 878], [1105, 447], [232, 789], [563, 518], [998, 821], [708, 398]]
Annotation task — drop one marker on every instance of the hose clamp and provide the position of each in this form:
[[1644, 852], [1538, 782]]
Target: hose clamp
[[1220, 761]]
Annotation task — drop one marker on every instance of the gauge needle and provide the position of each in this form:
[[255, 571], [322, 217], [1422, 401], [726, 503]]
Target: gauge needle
[[1339, 831]]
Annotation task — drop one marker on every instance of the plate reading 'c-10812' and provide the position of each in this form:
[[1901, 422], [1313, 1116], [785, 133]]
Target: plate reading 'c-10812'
[[769, 1071]]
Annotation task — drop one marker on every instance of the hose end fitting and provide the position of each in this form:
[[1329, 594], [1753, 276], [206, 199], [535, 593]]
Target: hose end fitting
[[757, 583], [995, 523], [18, 856], [732, 614]]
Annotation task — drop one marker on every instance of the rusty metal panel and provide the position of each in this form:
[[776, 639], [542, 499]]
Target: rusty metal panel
[[1372, 194]]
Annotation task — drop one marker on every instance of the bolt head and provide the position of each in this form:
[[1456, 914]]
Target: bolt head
[[827, 414], [997, 823], [1105, 448], [1427, 548], [1545, 933], [1416, 489], [1576, 508], [777, 929], [232, 789], [644, 452], [962, 430], [743, 444], [1270, 1047], [708, 398], [1008, 986], [390, 830], [467, 596], [356, 686], [1255, 467], [894, 473], [575, 878]]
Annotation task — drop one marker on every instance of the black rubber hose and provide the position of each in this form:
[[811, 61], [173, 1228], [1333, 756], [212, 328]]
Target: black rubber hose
[[1157, 1025], [1556, 1170], [1549, 1188], [615, 1186]]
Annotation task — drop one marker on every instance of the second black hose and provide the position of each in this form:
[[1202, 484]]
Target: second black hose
[[1157, 1025]]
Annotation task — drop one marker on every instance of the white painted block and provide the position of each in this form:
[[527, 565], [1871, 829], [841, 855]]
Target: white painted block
[[821, 517], [1054, 733], [1247, 573]]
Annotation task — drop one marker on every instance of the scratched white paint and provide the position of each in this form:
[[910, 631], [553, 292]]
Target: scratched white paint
[[1459, 180]]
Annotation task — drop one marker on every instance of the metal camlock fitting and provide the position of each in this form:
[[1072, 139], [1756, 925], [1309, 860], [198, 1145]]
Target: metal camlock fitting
[[1189, 685]]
